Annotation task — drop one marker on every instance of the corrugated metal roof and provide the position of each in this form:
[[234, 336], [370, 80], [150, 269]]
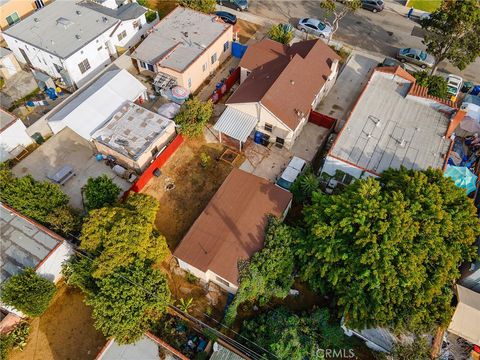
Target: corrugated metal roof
[[236, 124]]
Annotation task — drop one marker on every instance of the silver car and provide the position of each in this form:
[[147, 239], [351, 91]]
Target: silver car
[[416, 56], [314, 27]]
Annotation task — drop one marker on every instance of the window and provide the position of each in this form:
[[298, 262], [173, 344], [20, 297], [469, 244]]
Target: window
[[279, 142], [100, 48], [84, 66], [204, 67], [248, 73], [189, 82], [220, 280], [12, 19], [268, 127], [226, 46], [214, 58], [145, 65], [150, 67], [39, 4], [122, 35], [136, 24]]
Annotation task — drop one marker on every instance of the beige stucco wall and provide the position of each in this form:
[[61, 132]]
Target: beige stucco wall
[[146, 157], [21, 7]]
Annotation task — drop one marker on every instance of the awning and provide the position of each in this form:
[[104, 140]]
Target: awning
[[236, 124], [466, 318]]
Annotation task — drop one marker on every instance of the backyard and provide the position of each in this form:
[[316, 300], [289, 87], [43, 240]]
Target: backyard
[[64, 332], [425, 5]]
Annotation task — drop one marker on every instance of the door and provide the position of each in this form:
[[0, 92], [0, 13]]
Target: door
[[24, 54]]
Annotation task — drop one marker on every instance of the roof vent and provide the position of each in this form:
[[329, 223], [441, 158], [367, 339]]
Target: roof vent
[[104, 19], [403, 143], [65, 22], [78, 12], [78, 37], [292, 82], [36, 19]]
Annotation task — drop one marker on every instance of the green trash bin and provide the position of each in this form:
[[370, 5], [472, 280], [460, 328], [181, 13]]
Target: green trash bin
[[38, 138]]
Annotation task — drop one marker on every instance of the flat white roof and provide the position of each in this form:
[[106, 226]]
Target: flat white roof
[[180, 38], [90, 107], [388, 129], [236, 124]]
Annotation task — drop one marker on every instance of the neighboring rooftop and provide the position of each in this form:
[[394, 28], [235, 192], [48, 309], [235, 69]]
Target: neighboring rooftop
[[179, 38], [390, 126], [61, 27], [232, 226], [132, 130], [24, 242], [6, 119], [4, 52], [125, 12], [91, 106], [466, 318], [285, 79]]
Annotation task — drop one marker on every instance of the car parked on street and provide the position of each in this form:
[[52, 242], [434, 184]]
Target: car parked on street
[[388, 61], [227, 17], [455, 84], [239, 5], [373, 5], [416, 56], [294, 168], [314, 27]]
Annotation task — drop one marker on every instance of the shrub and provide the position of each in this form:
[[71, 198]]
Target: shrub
[[283, 33], [19, 336], [205, 159], [100, 191], [192, 279], [64, 220], [437, 85], [193, 116], [150, 16], [206, 6], [28, 292]]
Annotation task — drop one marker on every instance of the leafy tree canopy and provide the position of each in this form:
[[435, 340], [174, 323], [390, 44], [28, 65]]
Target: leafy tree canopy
[[129, 300], [418, 350], [28, 292], [100, 191], [338, 12], [118, 236], [282, 33], [294, 337], [269, 272], [389, 248], [436, 85], [452, 33], [206, 6], [193, 116]]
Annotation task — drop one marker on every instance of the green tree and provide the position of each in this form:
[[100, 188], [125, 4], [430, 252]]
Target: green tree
[[206, 6], [193, 116], [389, 248], [64, 220], [268, 274], [304, 186], [100, 191], [118, 236], [129, 300], [282, 33], [418, 350], [452, 33], [436, 85], [338, 12], [294, 337], [28, 292]]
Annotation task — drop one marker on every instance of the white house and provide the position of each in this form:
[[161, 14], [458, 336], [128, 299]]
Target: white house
[[25, 243], [394, 123], [13, 136], [73, 40], [279, 87], [88, 109], [231, 228]]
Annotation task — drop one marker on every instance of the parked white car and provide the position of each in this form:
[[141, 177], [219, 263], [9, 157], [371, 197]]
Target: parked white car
[[314, 27], [294, 168], [454, 84]]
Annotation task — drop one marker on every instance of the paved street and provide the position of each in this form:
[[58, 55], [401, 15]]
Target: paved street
[[380, 34]]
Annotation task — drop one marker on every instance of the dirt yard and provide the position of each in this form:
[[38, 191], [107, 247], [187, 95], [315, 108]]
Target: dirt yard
[[193, 187], [246, 30], [64, 332]]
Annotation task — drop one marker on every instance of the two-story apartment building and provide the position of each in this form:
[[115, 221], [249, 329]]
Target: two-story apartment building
[[74, 40]]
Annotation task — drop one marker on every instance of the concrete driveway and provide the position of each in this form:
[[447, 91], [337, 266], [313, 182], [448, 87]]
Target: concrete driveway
[[67, 148], [353, 77], [268, 163]]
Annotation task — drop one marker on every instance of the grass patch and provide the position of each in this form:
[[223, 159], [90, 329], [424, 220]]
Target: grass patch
[[425, 5]]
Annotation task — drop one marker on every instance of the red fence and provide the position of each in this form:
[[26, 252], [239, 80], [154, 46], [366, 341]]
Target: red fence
[[322, 120], [156, 164], [227, 85]]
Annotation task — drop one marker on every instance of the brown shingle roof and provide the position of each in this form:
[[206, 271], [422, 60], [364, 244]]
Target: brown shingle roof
[[232, 225], [285, 79]]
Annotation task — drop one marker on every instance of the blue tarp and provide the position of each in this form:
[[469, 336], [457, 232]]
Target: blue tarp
[[238, 49]]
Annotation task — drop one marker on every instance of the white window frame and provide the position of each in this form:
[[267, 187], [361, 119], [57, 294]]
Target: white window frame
[[122, 35], [84, 66]]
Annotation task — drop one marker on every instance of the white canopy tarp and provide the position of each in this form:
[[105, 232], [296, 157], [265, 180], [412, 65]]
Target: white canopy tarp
[[236, 124]]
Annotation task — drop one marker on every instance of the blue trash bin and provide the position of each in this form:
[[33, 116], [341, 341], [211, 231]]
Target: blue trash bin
[[258, 137]]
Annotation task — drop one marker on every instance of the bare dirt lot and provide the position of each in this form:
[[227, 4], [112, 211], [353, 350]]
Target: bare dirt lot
[[64, 332], [194, 186]]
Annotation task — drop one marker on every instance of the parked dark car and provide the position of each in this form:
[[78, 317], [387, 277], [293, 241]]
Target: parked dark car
[[239, 5], [227, 17], [373, 5], [388, 61]]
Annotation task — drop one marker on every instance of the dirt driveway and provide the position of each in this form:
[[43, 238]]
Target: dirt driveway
[[193, 187], [64, 332]]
